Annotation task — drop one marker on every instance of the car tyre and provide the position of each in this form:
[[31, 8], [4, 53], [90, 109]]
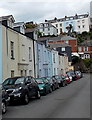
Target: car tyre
[[66, 83], [26, 99], [58, 86], [3, 107], [50, 90], [53, 88], [63, 84], [38, 96], [45, 92]]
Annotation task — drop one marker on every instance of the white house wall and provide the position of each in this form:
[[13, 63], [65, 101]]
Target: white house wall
[[21, 56], [9, 35]]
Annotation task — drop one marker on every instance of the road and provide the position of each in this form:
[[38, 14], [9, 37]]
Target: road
[[72, 101]]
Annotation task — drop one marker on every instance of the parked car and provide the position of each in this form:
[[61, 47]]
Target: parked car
[[5, 101], [66, 77], [56, 84], [78, 74], [70, 76], [44, 85], [21, 88], [60, 80], [72, 73], [52, 82]]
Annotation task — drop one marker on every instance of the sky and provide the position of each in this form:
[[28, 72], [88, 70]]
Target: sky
[[39, 10]]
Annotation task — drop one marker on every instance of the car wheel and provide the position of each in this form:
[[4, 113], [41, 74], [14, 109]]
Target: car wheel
[[50, 90], [63, 84], [53, 88], [38, 96], [66, 83], [45, 92], [3, 107], [58, 86], [26, 99]]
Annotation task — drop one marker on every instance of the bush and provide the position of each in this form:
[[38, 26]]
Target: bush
[[75, 59], [88, 62]]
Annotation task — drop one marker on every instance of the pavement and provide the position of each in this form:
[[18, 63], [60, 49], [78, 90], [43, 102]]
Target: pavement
[[72, 101]]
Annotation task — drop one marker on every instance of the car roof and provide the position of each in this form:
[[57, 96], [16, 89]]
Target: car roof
[[19, 77]]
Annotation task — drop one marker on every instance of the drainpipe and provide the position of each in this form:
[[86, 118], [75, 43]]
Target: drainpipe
[[1, 74], [37, 61], [34, 58], [7, 51]]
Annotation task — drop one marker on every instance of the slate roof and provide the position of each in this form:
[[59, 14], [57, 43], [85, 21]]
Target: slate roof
[[7, 17], [57, 38], [59, 45], [86, 43]]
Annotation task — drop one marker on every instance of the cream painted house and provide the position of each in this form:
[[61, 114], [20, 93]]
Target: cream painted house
[[18, 59], [63, 64], [10, 52], [26, 57], [55, 62]]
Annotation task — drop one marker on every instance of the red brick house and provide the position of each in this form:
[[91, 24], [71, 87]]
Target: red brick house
[[65, 39]]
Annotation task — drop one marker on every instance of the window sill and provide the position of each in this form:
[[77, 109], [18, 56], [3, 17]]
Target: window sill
[[13, 58], [23, 59]]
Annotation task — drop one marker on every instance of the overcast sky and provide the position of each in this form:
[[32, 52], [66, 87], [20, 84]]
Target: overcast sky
[[39, 10]]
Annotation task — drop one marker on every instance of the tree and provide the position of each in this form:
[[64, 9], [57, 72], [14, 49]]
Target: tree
[[88, 62], [39, 33], [75, 59]]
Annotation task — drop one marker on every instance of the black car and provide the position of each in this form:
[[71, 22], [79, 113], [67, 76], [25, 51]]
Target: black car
[[60, 80], [55, 83], [52, 83], [21, 88], [5, 100]]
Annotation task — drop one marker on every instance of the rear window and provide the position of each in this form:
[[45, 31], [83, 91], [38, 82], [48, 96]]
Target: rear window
[[39, 81]]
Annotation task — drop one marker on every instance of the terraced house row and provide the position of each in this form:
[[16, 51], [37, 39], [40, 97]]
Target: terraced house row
[[22, 55]]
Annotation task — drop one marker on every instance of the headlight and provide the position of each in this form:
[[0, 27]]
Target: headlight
[[17, 89], [41, 88]]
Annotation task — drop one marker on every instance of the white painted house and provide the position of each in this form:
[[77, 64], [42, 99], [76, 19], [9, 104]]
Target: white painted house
[[79, 23], [47, 29]]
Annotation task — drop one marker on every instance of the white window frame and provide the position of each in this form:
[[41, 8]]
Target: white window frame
[[63, 48]]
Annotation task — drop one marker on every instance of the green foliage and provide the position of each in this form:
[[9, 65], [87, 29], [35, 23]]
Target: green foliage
[[75, 59], [84, 33], [90, 34], [82, 37], [30, 25], [88, 62], [39, 33]]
